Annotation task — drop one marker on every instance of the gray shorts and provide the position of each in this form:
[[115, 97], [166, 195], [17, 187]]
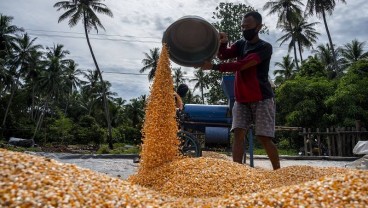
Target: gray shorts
[[261, 113]]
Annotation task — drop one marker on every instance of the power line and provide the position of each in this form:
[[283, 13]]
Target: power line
[[98, 34], [109, 72], [123, 73], [75, 37]]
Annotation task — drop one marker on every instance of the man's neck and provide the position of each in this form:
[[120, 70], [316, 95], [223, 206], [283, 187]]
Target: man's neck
[[254, 40]]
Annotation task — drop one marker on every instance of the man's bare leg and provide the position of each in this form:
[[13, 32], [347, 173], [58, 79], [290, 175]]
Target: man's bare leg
[[271, 150], [238, 145]]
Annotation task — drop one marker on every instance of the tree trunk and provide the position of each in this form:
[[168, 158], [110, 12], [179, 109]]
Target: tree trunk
[[331, 44], [202, 95], [14, 88], [40, 119], [33, 102], [300, 52], [295, 55], [103, 86]]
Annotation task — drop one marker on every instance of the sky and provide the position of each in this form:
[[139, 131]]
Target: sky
[[138, 26]]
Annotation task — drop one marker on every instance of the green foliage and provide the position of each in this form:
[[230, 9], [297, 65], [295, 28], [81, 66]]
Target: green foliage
[[87, 131], [300, 102], [228, 18], [289, 152], [215, 95], [119, 148], [132, 135], [312, 68], [350, 100], [61, 129]]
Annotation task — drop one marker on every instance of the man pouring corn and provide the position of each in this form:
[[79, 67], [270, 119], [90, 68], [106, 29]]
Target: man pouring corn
[[254, 98]]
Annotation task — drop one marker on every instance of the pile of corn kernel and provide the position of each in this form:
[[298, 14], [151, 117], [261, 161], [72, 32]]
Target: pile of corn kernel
[[160, 142], [32, 181], [165, 179]]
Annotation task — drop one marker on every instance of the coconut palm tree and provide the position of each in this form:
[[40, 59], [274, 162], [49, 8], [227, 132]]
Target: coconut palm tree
[[320, 8], [305, 34], [7, 34], [85, 11], [178, 76], [135, 111], [89, 91], [201, 80], [22, 48], [34, 68], [301, 32], [352, 52], [73, 81], [150, 62], [287, 10], [325, 56], [51, 82], [285, 71], [5, 78]]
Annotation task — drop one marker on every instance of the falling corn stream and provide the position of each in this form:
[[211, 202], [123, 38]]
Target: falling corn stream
[[165, 179]]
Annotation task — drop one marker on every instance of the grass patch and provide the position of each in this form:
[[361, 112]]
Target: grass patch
[[290, 152]]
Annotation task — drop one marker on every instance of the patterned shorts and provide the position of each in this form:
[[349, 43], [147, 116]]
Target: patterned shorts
[[261, 113]]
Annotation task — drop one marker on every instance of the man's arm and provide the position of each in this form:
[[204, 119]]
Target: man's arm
[[247, 62]]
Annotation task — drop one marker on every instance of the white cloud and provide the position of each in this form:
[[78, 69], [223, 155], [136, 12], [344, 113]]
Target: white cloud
[[138, 26]]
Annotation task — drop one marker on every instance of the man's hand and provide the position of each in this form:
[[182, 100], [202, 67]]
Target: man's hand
[[223, 38], [207, 65]]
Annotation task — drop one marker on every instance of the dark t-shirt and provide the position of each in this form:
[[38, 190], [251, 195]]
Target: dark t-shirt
[[251, 84]]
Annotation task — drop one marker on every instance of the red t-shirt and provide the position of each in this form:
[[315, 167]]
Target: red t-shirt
[[251, 84]]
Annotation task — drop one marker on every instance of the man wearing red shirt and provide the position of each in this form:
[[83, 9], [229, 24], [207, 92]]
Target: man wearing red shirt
[[254, 98]]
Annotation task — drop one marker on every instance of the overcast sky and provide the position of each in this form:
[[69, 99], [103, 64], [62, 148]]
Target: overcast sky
[[137, 27]]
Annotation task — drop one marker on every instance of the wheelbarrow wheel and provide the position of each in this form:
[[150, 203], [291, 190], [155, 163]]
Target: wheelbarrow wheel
[[189, 145]]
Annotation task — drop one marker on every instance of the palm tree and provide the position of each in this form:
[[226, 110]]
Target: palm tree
[[324, 55], [178, 76], [201, 82], [352, 52], [72, 79], [287, 10], [285, 71], [85, 10], [150, 62], [5, 78], [301, 32], [51, 82], [320, 8], [22, 48], [7, 34], [305, 34], [135, 111], [34, 68], [89, 90]]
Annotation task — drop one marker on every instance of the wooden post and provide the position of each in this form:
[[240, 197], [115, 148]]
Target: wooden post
[[339, 142], [305, 142], [328, 142], [319, 142], [348, 141], [353, 138], [333, 141], [310, 142], [343, 141]]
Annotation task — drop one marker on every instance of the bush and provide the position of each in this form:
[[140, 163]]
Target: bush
[[87, 131], [132, 135]]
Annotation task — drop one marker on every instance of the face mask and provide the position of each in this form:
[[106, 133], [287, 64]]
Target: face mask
[[250, 34]]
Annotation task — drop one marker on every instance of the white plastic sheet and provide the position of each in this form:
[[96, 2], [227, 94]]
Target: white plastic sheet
[[361, 148]]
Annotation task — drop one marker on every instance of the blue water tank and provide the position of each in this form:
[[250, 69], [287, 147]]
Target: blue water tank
[[207, 113], [217, 135]]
